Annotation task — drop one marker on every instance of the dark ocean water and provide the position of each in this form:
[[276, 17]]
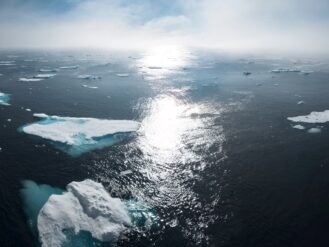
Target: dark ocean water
[[215, 156]]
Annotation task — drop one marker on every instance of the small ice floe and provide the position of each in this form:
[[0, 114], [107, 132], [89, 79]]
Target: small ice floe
[[4, 98], [313, 117], [7, 63], [78, 135], [300, 102], [89, 77], [48, 70], [70, 67], [126, 172], [314, 130], [44, 76], [27, 109], [299, 127], [246, 73], [30, 79], [122, 75], [285, 70], [83, 213], [91, 87]]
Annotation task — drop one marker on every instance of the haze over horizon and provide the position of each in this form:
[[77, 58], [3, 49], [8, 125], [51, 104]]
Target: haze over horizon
[[235, 26]]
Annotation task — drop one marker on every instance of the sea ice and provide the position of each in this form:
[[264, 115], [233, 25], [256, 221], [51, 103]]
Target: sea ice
[[314, 130], [298, 126], [44, 76], [123, 75], [77, 135], [4, 98], [62, 218], [285, 70], [91, 87], [30, 79], [89, 77], [70, 67], [313, 117]]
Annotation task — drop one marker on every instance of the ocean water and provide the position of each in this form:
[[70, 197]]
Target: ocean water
[[215, 158]]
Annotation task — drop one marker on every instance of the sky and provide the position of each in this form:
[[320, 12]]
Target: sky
[[300, 26]]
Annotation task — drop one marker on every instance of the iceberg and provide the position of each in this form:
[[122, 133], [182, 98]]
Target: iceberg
[[30, 79], [4, 98], [91, 87], [83, 214], [89, 77], [48, 70], [122, 75], [313, 117], [70, 67], [314, 130], [299, 127], [78, 135], [44, 76], [286, 70]]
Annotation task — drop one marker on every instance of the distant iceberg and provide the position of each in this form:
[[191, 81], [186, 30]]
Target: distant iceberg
[[91, 87], [44, 76], [48, 70], [4, 98], [285, 70], [82, 215], [313, 117], [299, 127], [23, 79], [122, 75], [70, 67], [89, 77], [78, 135]]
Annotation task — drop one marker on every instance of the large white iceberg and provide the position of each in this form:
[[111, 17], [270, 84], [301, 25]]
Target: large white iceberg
[[80, 135], [82, 215], [4, 98], [86, 206], [313, 117]]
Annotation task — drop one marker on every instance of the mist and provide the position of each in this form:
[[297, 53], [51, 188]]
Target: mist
[[280, 26]]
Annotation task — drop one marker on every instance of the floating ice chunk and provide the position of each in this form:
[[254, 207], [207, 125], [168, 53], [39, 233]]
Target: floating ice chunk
[[91, 87], [300, 102], [86, 206], [30, 79], [313, 117], [299, 127], [70, 67], [123, 75], [48, 70], [7, 63], [78, 135], [285, 70], [44, 76], [4, 98], [64, 217], [314, 130], [89, 77]]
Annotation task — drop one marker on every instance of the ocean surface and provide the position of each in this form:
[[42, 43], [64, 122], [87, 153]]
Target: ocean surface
[[214, 160]]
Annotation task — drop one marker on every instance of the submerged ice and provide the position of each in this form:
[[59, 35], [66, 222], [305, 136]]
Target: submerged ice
[[4, 98], [64, 217], [77, 135]]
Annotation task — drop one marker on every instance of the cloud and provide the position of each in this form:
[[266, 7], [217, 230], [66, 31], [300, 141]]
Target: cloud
[[235, 25]]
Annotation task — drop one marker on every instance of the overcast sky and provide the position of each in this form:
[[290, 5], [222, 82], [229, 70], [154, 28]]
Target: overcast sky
[[232, 25]]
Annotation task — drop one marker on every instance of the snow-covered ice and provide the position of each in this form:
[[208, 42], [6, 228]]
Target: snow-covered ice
[[89, 77], [62, 217], [80, 135], [44, 76], [23, 79], [313, 117], [299, 127]]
